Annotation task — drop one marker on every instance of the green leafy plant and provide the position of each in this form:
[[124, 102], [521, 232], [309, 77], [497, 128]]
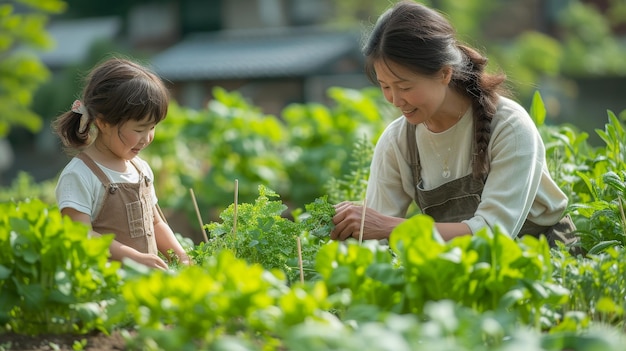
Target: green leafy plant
[[596, 283], [54, 278], [223, 298], [21, 71], [351, 186], [260, 233], [446, 326], [486, 272], [295, 154], [605, 223], [323, 136], [599, 190], [25, 187], [206, 150], [593, 178]]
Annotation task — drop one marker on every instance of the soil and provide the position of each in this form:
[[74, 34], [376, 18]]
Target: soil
[[96, 341]]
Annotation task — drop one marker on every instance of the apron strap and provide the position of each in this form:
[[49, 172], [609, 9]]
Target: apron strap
[[94, 168], [147, 181], [414, 160]]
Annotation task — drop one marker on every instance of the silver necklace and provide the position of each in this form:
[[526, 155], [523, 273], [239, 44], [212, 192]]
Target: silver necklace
[[444, 161]]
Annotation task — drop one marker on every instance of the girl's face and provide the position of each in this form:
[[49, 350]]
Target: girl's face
[[125, 141], [419, 97]]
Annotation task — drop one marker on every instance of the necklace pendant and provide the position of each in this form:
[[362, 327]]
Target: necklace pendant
[[445, 173]]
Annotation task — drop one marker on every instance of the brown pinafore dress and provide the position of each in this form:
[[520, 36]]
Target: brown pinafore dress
[[127, 210], [458, 200]]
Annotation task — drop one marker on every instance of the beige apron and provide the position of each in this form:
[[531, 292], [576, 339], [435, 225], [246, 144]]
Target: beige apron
[[458, 200], [127, 210]]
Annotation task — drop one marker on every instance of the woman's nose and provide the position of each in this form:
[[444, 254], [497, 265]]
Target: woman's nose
[[396, 100]]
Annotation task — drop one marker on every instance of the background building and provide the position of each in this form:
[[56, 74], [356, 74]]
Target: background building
[[277, 52]]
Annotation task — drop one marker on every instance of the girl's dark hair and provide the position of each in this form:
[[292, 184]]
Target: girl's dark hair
[[116, 91], [421, 39]]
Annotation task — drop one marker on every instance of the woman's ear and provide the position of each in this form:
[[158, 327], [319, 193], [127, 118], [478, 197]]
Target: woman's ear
[[446, 72]]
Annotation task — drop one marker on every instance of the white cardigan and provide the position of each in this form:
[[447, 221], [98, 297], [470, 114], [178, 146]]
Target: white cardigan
[[519, 184]]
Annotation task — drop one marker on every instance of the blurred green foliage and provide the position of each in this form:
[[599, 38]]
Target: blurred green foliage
[[231, 141], [56, 95], [590, 47], [22, 33]]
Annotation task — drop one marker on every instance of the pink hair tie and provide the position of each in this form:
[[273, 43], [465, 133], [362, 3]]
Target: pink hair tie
[[78, 107]]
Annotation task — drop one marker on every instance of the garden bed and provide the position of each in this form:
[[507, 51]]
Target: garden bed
[[64, 342]]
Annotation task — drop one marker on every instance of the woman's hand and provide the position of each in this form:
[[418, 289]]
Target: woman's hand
[[347, 222]]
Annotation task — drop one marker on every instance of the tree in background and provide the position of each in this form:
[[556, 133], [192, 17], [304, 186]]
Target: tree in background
[[22, 33]]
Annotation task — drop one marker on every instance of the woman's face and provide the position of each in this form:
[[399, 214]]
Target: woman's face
[[418, 96]]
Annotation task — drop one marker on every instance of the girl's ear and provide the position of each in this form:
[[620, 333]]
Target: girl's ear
[[100, 123]]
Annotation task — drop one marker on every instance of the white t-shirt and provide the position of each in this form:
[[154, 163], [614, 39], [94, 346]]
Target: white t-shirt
[[519, 184], [79, 188]]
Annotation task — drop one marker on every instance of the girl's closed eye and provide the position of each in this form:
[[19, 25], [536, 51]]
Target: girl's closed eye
[[145, 129]]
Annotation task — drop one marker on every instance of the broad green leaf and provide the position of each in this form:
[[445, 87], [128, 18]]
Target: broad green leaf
[[607, 305], [602, 246], [386, 274], [5, 272], [537, 109], [33, 294]]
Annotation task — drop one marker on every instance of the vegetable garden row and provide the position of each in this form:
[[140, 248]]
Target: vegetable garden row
[[269, 278]]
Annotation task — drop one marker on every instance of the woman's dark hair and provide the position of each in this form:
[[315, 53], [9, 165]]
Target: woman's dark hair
[[421, 39], [116, 91]]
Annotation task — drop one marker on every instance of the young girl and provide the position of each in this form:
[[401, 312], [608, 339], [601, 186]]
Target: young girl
[[470, 157], [106, 185]]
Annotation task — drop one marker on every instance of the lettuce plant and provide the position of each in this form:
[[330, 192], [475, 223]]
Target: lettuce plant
[[54, 278]]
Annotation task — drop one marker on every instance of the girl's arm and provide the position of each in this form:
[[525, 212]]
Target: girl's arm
[[118, 250], [166, 240]]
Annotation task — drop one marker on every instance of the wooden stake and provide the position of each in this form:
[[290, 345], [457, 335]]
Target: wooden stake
[[195, 204], [161, 213], [362, 220], [300, 261], [235, 208]]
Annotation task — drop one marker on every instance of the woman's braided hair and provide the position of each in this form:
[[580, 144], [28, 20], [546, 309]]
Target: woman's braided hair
[[419, 38]]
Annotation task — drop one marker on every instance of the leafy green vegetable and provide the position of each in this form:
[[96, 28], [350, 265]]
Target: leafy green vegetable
[[54, 278], [263, 235]]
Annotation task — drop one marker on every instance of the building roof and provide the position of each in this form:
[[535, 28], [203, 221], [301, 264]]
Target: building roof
[[286, 52], [74, 38]]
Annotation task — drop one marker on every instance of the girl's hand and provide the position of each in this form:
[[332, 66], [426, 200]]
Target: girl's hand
[[185, 261], [150, 260], [182, 259]]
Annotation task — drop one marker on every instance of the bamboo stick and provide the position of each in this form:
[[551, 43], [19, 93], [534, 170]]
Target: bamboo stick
[[235, 208], [195, 204], [161, 213], [362, 220], [300, 261]]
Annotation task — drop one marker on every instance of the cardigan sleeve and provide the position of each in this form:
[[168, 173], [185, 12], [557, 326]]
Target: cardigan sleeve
[[517, 171], [390, 186]]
